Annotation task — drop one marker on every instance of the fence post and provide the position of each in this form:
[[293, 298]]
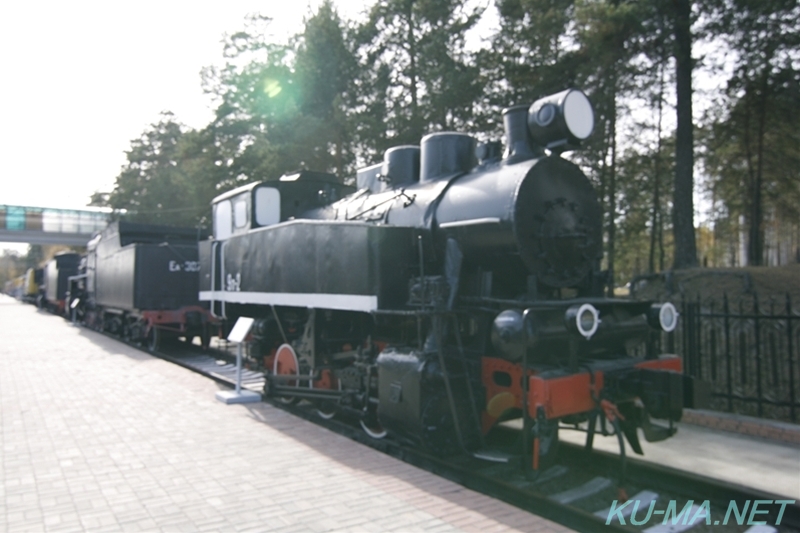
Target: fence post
[[686, 345], [790, 349], [756, 325], [742, 347], [712, 349], [726, 312], [698, 339], [690, 340], [773, 346]]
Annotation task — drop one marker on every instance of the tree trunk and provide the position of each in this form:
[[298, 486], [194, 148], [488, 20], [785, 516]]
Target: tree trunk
[[612, 189], [655, 224], [416, 130], [683, 205], [755, 250]]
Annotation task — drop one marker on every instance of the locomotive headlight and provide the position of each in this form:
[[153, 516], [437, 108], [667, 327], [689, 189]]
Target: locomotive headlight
[[561, 121], [508, 334], [663, 316], [583, 320]]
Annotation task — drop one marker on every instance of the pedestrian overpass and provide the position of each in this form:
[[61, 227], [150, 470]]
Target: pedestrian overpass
[[43, 225]]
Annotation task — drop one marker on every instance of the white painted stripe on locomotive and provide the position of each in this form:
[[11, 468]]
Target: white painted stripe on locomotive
[[342, 302], [470, 222]]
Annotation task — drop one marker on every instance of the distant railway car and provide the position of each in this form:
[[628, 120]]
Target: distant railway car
[[56, 280], [141, 283], [34, 280]]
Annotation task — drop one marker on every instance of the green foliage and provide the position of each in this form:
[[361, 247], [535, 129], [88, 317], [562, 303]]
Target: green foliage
[[35, 256], [340, 93], [637, 170], [168, 178], [530, 56], [736, 161], [324, 67], [754, 147], [11, 266], [280, 106], [416, 75]]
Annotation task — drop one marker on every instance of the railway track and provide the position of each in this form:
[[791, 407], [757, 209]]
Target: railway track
[[580, 490], [216, 364]]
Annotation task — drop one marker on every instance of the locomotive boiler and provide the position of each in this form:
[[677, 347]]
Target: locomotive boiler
[[458, 286]]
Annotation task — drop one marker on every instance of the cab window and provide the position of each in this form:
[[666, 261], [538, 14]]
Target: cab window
[[240, 213], [223, 220], [268, 206]]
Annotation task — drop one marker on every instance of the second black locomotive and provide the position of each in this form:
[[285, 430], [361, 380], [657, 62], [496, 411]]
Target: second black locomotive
[[139, 281]]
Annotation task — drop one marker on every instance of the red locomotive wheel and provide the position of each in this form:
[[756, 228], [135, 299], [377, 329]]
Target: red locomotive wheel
[[154, 339], [285, 363], [325, 408], [373, 427]]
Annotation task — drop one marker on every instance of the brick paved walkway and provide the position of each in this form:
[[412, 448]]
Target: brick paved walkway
[[97, 436]]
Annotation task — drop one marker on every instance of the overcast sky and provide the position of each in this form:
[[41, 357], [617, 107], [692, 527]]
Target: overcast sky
[[83, 78]]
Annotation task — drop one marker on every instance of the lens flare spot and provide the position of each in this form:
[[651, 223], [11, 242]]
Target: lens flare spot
[[272, 88]]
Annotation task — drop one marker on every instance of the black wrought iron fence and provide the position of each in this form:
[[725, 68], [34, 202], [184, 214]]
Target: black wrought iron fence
[[748, 351]]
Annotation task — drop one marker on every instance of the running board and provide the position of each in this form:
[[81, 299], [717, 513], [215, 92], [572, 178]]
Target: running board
[[492, 456]]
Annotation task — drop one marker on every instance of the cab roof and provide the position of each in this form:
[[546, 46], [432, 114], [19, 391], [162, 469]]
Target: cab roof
[[300, 175]]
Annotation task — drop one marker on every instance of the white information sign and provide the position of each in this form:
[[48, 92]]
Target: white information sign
[[241, 329], [238, 334]]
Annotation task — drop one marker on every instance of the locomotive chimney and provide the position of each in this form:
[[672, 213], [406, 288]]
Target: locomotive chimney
[[401, 165], [445, 154], [518, 141]]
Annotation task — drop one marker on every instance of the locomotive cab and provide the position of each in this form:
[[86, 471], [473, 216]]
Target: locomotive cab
[[265, 203], [248, 207]]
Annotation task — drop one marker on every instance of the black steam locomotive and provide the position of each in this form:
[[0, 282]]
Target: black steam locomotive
[[55, 278], [456, 288], [139, 281]]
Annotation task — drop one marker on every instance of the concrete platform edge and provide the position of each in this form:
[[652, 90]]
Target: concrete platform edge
[[746, 425]]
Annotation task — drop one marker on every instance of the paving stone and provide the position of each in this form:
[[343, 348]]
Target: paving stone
[[97, 436]]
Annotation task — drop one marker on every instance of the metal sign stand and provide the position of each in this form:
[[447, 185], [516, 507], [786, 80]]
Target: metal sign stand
[[237, 335], [74, 308]]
